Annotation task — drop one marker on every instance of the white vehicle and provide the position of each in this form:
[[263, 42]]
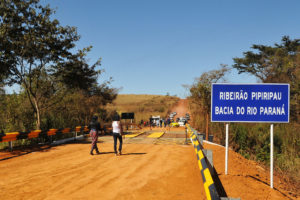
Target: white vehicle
[[182, 121], [155, 119]]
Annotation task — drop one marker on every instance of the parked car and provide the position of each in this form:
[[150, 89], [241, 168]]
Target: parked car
[[182, 121]]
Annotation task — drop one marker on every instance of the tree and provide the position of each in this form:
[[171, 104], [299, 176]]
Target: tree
[[200, 91], [35, 52], [275, 64]]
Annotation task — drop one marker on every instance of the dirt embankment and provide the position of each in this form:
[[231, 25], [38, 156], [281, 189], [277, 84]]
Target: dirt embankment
[[247, 179]]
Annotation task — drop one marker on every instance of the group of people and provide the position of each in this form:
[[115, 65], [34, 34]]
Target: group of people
[[117, 130], [159, 122]]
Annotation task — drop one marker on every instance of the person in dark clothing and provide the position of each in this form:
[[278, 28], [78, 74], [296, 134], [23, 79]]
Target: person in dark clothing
[[95, 129], [150, 122]]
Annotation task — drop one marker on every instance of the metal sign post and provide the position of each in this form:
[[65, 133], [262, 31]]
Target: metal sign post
[[271, 156], [226, 151]]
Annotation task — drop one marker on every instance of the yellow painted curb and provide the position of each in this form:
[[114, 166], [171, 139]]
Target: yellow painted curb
[[156, 135], [133, 135]]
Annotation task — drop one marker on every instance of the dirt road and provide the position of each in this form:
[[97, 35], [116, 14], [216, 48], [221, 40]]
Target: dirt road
[[181, 108], [145, 171]]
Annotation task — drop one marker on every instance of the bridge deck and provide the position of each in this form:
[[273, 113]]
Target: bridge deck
[[145, 171]]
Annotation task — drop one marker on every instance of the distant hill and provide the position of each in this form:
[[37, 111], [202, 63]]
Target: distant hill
[[143, 105]]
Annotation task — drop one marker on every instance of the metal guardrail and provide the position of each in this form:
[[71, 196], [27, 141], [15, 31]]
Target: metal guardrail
[[13, 136], [208, 182]]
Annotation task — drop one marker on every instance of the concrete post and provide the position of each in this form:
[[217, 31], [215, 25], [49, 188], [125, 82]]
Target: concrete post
[[200, 138], [209, 155], [186, 142]]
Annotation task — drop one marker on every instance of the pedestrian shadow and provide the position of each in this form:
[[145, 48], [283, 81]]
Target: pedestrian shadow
[[127, 154], [109, 152], [82, 142], [123, 154]]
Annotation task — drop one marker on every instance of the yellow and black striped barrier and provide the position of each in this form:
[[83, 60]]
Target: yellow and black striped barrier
[[209, 185], [13, 136]]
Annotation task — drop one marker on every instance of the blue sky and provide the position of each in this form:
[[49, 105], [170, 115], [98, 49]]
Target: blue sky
[[155, 46]]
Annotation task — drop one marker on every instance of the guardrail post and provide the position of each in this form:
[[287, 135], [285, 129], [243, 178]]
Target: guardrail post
[[200, 138], [75, 135], [210, 138], [209, 155], [10, 144], [51, 139], [204, 136], [186, 142]]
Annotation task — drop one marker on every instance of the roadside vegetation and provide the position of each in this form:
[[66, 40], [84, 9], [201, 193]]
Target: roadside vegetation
[[269, 64], [143, 106], [58, 86]]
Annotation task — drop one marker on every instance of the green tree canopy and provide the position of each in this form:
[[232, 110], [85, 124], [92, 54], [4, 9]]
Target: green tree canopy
[[275, 64], [200, 91], [36, 52]]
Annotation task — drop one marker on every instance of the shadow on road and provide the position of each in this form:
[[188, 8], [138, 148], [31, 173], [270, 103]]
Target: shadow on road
[[127, 154], [257, 179], [215, 176], [21, 151], [219, 186]]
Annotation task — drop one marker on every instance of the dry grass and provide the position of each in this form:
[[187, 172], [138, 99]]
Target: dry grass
[[143, 106]]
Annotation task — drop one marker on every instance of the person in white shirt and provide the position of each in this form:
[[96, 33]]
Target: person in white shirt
[[117, 133]]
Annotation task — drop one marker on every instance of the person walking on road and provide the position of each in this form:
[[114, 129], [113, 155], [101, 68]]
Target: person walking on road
[[150, 122], [95, 128], [117, 133]]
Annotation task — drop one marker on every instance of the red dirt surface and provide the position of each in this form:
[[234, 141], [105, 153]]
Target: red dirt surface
[[246, 178], [145, 171]]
